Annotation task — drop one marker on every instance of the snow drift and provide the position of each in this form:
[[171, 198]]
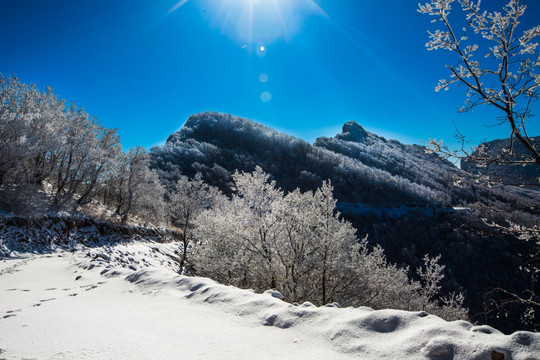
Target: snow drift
[[127, 301]]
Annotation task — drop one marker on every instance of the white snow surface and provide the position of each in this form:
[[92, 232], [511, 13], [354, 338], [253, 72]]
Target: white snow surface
[[128, 302]]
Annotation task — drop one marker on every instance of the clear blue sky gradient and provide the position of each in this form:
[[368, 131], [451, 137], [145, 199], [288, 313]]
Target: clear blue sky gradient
[[144, 66]]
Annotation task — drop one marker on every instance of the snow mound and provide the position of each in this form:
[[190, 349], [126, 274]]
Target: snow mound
[[379, 334], [138, 283]]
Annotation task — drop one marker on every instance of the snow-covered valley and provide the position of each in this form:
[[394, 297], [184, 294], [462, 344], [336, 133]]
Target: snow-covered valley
[[126, 301]]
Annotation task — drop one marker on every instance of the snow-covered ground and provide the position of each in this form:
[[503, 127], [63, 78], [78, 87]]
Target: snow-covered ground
[[127, 302]]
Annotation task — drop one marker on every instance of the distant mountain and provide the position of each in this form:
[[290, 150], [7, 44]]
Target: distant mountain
[[363, 167], [508, 174]]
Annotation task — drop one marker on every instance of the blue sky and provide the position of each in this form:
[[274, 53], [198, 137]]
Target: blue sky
[[304, 67]]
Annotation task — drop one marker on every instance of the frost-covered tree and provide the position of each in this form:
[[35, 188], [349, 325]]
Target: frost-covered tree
[[257, 219], [100, 164], [499, 66], [46, 145], [87, 153], [29, 132], [297, 244], [188, 199], [294, 246], [150, 204], [218, 252], [335, 244], [134, 188]]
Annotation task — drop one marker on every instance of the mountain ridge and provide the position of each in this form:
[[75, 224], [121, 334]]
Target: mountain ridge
[[217, 144]]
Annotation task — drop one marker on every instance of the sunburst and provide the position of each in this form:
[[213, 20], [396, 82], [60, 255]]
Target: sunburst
[[257, 21]]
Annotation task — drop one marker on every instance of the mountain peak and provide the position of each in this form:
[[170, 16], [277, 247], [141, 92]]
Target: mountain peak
[[354, 131]]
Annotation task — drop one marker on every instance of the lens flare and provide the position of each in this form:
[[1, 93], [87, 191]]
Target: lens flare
[[266, 96]]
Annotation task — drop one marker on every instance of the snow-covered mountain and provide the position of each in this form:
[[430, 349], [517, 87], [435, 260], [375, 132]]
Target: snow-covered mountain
[[403, 198], [410, 162], [363, 167]]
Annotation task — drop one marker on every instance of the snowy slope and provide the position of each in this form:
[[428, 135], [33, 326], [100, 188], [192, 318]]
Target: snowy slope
[[127, 302]]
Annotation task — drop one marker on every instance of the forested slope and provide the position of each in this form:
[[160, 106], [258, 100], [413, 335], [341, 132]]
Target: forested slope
[[216, 145]]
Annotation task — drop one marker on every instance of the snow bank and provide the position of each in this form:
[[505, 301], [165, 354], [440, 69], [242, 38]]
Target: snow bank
[[112, 290], [381, 334]]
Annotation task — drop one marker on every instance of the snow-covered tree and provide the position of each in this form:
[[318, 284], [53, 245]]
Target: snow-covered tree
[[297, 244], [294, 247], [46, 144], [188, 199], [335, 245], [29, 132], [134, 189], [497, 63], [258, 223], [87, 152]]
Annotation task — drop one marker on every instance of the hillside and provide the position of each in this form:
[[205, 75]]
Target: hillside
[[505, 173], [397, 194], [409, 162]]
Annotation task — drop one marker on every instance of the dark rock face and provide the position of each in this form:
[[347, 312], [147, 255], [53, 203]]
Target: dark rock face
[[354, 132]]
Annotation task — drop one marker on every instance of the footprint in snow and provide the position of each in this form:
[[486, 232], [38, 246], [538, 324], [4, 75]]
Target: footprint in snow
[[10, 313], [45, 300]]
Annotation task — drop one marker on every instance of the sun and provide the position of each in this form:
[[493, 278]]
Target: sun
[[259, 21]]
